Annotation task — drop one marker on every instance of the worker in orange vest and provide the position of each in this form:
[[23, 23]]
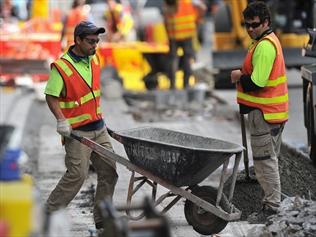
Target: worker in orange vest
[[180, 21], [73, 94], [262, 93], [78, 12]]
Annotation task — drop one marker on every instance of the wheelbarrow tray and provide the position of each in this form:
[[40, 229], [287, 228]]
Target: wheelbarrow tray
[[179, 158]]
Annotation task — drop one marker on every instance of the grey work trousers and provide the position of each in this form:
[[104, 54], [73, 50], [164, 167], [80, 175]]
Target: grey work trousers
[[266, 141], [77, 160], [188, 54]]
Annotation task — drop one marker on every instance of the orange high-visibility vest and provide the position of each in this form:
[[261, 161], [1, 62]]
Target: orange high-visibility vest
[[272, 100], [74, 17], [81, 104], [181, 25]]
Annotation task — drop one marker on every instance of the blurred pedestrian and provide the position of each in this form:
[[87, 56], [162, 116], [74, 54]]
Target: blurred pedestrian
[[200, 11], [8, 11], [120, 23], [79, 12], [262, 94], [180, 21], [73, 96]]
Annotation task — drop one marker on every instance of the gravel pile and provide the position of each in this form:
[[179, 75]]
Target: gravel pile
[[298, 178]]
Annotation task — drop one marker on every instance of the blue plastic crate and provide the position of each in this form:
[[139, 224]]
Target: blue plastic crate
[[9, 168]]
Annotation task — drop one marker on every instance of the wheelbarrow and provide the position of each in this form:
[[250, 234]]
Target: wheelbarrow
[[179, 162]]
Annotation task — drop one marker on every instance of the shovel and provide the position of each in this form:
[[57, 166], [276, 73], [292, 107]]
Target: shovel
[[248, 178]]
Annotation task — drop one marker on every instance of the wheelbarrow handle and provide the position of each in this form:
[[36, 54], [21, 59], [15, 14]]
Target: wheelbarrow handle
[[80, 138], [75, 136], [110, 131]]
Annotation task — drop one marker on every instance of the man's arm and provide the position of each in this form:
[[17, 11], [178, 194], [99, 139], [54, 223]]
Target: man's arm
[[53, 104], [263, 60], [53, 89], [63, 127], [200, 6]]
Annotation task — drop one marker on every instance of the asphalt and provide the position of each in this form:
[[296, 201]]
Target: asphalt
[[43, 139], [77, 219], [223, 124], [50, 163]]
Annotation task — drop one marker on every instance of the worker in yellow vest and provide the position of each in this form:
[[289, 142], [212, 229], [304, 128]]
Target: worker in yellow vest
[[262, 93], [120, 23], [180, 21]]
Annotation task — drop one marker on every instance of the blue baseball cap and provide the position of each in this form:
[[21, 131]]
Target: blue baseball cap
[[88, 28]]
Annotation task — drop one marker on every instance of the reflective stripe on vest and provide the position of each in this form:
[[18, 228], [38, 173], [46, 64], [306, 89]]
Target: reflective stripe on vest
[[79, 118], [272, 100], [83, 99], [82, 102], [64, 66], [266, 101], [181, 25]]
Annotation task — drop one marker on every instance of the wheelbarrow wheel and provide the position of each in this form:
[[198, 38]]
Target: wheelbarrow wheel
[[204, 222]]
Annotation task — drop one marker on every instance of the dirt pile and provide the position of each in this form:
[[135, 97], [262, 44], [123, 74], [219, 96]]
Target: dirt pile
[[298, 178]]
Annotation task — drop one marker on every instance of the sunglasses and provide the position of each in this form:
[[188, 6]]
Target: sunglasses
[[253, 25], [92, 41]]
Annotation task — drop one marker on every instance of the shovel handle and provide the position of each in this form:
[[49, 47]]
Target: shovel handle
[[79, 138], [244, 143]]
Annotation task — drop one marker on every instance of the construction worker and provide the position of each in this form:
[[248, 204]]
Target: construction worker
[[119, 23], [262, 93], [73, 96], [8, 11], [79, 12], [180, 21]]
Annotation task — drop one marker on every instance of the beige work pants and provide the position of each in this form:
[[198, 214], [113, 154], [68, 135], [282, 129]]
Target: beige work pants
[[266, 141], [77, 163]]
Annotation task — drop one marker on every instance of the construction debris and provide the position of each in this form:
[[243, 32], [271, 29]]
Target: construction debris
[[296, 217]]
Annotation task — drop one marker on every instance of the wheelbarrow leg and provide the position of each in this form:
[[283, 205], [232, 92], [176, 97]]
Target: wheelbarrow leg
[[154, 191], [130, 189], [234, 176], [221, 183], [130, 193]]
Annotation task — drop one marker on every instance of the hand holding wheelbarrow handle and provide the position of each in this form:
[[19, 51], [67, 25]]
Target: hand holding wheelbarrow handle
[[79, 138]]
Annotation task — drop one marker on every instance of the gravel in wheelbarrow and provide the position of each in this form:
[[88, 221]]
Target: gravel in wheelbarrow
[[179, 158]]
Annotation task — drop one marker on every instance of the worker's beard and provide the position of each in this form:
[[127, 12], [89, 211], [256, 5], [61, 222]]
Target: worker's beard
[[88, 51], [92, 52]]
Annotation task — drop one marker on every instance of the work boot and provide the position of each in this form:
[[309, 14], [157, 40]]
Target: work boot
[[96, 232], [99, 225], [261, 216]]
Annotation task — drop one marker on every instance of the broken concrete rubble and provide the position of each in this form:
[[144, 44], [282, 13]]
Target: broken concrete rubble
[[296, 217]]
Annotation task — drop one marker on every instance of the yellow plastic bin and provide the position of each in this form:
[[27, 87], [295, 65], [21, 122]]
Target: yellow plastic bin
[[16, 206]]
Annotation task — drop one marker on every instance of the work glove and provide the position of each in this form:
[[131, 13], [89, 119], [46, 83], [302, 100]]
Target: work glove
[[63, 127]]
